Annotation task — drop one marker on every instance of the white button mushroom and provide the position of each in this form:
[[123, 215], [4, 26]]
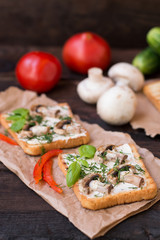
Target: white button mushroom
[[117, 106], [92, 87], [126, 74]]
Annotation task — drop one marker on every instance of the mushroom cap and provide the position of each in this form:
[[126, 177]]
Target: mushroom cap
[[90, 92], [91, 88], [117, 106], [126, 74]]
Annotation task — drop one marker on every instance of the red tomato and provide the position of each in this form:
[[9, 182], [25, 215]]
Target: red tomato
[[85, 50], [38, 71]]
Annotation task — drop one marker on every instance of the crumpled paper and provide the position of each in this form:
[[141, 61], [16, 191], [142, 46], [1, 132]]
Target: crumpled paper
[[91, 223], [147, 117]]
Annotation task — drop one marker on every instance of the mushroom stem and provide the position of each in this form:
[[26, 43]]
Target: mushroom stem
[[91, 88], [95, 74], [121, 81]]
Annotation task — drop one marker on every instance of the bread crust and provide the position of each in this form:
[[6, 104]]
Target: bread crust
[[152, 91], [148, 192], [36, 149]]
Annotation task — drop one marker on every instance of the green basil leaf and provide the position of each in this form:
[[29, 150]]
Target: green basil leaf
[[87, 151], [73, 174], [18, 125], [21, 111], [14, 117], [84, 163]]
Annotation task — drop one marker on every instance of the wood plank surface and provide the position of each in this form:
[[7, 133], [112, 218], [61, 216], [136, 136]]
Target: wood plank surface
[[40, 22], [26, 216]]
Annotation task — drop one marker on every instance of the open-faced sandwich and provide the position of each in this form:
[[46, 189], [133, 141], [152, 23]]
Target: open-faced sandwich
[[107, 176], [44, 127], [152, 91]]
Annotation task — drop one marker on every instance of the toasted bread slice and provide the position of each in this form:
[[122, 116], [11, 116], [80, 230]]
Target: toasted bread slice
[[34, 142], [152, 91], [114, 178]]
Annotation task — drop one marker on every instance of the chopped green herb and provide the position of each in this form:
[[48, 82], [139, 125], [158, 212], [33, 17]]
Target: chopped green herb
[[33, 137], [60, 185], [65, 108], [66, 118], [43, 150], [124, 168], [119, 175], [36, 118], [103, 166], [93, 167], [48, 137], [115, 169], [83, 173], [133, 187], [139, 168], [6, 132], [116, 162], [70, 157], [106, 182], [124, 153], [103, 155], [121, 152], [31, 124], [116, 183], [96, 195]]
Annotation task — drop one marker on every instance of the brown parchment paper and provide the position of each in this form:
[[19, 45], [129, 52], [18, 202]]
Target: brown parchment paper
[[91, 223], [147, 116]]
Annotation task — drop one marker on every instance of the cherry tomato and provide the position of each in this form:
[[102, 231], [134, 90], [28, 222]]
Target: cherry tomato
[[85, 50], [38, 71]]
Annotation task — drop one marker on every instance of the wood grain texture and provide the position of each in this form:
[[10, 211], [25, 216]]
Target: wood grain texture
[[40, 22], [26, 216]]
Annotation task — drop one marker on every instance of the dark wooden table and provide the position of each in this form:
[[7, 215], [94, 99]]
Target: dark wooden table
[[26, 216]]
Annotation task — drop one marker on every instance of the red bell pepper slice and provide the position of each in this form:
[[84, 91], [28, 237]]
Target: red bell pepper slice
[[37, 173], [7, 139], [47, 176]]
